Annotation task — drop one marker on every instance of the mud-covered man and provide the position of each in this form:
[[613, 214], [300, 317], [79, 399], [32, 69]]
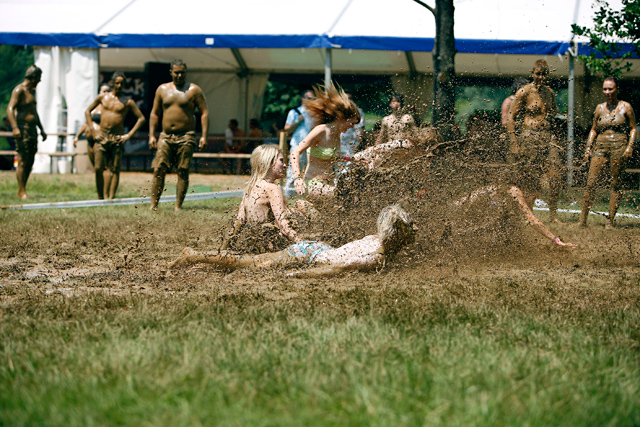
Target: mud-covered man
[[396, 125], [24, 119], [177, 101], [534, 150], [110, 138]]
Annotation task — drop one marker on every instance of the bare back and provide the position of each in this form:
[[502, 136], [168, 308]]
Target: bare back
[[179, 107], [257, 205]]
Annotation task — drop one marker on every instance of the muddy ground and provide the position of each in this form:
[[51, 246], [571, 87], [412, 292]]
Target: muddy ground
[[470, 253]]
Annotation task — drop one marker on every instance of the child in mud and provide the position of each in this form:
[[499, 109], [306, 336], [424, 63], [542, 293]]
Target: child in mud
[[263, 200], [335, 113], [395, 230], [516, 194]]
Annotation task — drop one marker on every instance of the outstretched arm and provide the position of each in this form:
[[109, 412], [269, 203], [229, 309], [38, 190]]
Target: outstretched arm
[[535, 222]]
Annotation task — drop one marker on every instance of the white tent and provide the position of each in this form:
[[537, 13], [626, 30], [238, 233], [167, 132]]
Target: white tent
[[230, 47]]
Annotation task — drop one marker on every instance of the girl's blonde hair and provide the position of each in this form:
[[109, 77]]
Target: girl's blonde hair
[[395, 225], [330, 104], [262, 160]]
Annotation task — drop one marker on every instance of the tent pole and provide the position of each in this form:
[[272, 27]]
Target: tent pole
[[570, 116], [327, 67]]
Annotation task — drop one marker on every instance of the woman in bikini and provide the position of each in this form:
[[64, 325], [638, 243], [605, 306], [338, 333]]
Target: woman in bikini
[[614, 132], [335, 114], [395, 230]]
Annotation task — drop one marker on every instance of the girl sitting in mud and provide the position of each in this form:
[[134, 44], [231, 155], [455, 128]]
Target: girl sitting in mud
[[335, 113], [395, 230], [263, 203]]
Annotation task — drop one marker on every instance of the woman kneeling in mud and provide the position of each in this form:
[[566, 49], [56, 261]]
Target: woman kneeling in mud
[[263, 200], [395, 230]]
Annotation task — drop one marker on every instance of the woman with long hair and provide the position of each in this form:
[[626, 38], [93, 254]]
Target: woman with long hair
[[610, 141], [262, 199], [395, 230], [334, 113]]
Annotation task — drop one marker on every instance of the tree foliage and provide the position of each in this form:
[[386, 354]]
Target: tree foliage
[[15, 60], [609, 56]]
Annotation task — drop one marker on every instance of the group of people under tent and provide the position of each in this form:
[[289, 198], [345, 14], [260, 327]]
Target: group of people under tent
[[533, 151]]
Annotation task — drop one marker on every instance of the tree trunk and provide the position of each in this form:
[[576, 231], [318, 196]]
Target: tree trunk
[[444, 71]]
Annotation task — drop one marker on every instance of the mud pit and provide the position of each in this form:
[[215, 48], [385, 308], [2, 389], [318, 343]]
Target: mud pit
[[126, 249]]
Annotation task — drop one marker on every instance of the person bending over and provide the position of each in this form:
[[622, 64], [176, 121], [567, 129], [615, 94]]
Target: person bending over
[[395, 230], [335, 113]]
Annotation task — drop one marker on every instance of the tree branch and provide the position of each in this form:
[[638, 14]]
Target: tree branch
[[421, 3]]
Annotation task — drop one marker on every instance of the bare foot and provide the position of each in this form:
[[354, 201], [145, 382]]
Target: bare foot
[[153, 208], [23, 196], [184, 260], [556, 221], [609, 226]]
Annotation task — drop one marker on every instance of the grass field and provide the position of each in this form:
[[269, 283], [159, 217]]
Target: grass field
[[92, 332]]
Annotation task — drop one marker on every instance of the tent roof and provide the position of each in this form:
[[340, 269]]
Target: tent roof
[[367, 35]]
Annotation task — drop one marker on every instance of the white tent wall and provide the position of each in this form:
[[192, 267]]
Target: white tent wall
[[230, 96], [69, 84]]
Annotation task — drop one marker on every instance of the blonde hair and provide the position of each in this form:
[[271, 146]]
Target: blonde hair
[[330, 104], [395, 225], [262, 160]]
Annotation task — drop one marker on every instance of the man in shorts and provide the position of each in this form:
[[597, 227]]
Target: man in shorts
[[110, 139], [178, 101], [534, 150], [24, 120]]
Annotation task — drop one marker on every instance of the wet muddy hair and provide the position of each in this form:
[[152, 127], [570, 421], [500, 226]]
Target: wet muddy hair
[[117, 74], [542, 65], [330, 104], [178, 62], [398, 97], [395, 225], [517, 84], [611, 79], [262, 160], [33, 72]]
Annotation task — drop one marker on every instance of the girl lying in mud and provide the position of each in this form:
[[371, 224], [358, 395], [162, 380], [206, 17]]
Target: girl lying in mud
[[395, 230]]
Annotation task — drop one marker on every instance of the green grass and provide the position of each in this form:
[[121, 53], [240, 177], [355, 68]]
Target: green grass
[[334, 358]]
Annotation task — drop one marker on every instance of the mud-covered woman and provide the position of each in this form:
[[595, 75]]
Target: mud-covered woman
[[334, 113], [395, 230], [263, 203], [610, 142]]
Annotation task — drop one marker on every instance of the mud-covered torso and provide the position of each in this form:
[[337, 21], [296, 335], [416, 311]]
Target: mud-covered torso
[[612, 125]]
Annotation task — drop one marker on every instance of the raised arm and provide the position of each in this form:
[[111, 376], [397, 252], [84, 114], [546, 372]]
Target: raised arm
[[297, 151], [153, 118]]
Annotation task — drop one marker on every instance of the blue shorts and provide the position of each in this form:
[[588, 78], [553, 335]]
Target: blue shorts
[[307, 249]]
